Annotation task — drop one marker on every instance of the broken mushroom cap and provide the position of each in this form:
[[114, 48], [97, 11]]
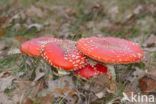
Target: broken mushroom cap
[[90, 71], [63, 55], [110, 50], [33, 47]]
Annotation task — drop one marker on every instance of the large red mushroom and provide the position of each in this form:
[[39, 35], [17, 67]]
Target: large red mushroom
[[107, 50], [33, 47], [110, 50], [63, 55]]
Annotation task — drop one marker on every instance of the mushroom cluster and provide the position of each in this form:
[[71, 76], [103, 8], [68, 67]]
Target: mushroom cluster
[[85, 58]]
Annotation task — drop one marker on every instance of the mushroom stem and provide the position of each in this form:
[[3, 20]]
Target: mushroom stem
[[111, 73]]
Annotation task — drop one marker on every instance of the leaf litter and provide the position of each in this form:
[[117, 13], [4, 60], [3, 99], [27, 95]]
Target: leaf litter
[[26, 80]]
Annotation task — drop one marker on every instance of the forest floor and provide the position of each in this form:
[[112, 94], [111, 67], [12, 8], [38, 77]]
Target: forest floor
[[27, 80]]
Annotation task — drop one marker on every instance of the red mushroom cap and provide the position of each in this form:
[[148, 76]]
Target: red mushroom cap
[[110, 50], [33, 47], [63, 55], [91, 70]]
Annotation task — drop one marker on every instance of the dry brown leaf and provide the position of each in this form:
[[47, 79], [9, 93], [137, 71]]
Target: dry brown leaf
[[2, 46], [147, 84], [27, 101], [23, 89], [5, 99], [34, 11], [70, 11], [48, 99], [38, 87], [39, 75], [2, 32], [151, 41], [6, 81], [20, 38], [3, 20], [105, 83], [64, 91]]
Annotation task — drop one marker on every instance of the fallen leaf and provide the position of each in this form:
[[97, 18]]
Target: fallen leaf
[[22, 91], [5, 99], [101, 85], [34, 11], [6, 81], [20, 38], [134, 76], [3, 19], [70, 11], [48, 99], [39, 75], [100, 95], [28, 101], [64, 88], [147, 84], [151, 41], [2, 32], [2, 46]]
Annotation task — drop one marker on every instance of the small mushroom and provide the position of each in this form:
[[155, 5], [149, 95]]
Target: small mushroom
[[33, 47], [63, 55], [110, 50], [89, 71]]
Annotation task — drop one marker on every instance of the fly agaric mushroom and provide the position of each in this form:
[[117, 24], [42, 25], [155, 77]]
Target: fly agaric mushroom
[[63, 55], [89, 71], [110, 50], [33, 47]]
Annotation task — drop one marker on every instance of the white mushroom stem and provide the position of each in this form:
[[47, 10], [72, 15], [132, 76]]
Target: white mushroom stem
[[112, 71]]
